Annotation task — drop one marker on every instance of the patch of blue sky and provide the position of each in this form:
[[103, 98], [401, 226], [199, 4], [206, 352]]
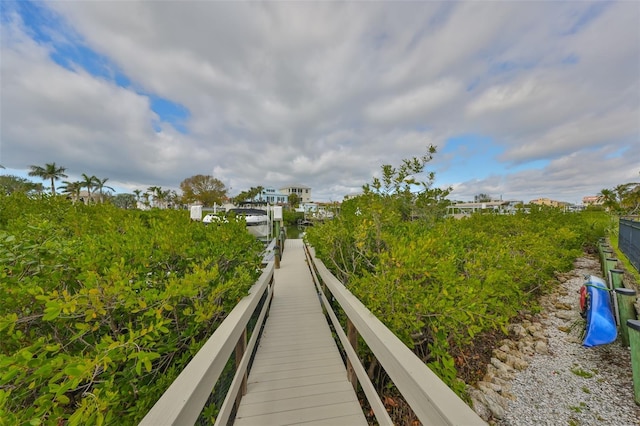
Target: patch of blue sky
[[72, 53], [46, 27], [169, 112], [74, 56], [529, 165], [499, 67], [477, 157], [21, 173], [37, 19], [571, 59], [617, 153], [588, 15], [470, 143], [475, 82], [471, 157], [442, 14]]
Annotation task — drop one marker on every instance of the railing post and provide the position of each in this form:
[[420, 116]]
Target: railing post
[[283, 238], [610, 264], [634, 340], [277, 257], [614, 281], [352, 336], [606, 254], [626, 310], [241, 347], [602, 246], [616, 278]]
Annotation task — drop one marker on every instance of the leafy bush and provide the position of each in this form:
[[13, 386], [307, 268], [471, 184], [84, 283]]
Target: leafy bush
[[438, 283], [101, 308]]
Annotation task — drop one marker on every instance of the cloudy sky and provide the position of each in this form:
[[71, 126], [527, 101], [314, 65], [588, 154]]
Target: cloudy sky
[[522, 99]]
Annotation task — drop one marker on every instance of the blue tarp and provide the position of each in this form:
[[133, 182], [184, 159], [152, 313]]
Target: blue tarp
[[601, 324]]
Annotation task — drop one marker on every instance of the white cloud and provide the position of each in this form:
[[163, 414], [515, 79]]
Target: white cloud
[[414, 103], [324, 93]]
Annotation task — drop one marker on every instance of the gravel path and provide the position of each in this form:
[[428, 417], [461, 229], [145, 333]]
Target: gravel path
[[573, 385]]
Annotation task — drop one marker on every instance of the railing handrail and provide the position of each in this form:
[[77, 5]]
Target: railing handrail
[[184, 400], [429, 397]]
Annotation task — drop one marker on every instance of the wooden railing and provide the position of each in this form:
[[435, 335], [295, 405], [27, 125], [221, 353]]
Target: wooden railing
[[429, 397], [184, 400]]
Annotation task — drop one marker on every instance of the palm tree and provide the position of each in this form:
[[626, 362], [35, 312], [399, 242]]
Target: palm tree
[[163, 198], [146, 199], [138, 194], [173, 199], [49, 171], [89, 183], [100, 185], [160, 196], [73, 189], [154, 190], [609, 199]]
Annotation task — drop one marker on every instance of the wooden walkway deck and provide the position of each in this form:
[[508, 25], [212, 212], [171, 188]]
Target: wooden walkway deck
[[298, 376]]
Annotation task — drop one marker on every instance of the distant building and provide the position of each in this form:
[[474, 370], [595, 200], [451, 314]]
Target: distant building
[[592, 200], [546, 202], [270, 196], [84, 197], [500, 207], [303, 192], [319, 210]]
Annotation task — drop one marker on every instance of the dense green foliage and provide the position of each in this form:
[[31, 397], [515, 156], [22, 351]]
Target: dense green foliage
[[101, 308], [437, 283], [203, 188], [10, 184], [291, 217]]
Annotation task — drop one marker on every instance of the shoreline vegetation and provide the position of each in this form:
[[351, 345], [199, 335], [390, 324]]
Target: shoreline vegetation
[[102, 307]]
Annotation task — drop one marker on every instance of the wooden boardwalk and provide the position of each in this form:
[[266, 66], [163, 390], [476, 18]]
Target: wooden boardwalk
[[298, 376]]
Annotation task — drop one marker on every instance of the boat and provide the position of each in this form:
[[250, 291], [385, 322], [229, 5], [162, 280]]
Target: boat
[[258, 223], [595, 304]]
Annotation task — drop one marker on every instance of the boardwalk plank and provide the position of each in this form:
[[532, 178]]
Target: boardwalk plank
[[298, 376], [337, 412], [294, 373], [295, 364], [298, 391], [299, 402], [257, 385]]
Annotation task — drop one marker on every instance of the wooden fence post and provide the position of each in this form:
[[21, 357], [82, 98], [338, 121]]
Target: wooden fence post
[[616, 278], [352, 335], [605, 254], [634, 340], [626, 310], [241, 347]]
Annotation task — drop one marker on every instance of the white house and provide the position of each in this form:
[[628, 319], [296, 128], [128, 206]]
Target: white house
[[303, 192]]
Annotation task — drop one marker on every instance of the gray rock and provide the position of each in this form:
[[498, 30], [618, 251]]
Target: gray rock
[[541, 347], [479, 404]]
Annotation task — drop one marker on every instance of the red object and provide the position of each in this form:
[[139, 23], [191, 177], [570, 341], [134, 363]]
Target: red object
[[583, 299]]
